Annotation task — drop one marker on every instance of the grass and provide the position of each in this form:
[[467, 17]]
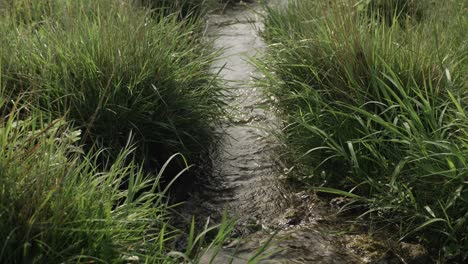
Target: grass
[[187, 8], [95, 99], [114, 69], [374, 94], [184, 8], [58, 206]]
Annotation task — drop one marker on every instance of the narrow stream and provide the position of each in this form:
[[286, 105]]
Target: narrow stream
[[245, 179], [244, 171]]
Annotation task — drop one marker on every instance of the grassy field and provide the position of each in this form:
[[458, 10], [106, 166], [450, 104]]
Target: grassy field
[[95, 99], [374, 94]]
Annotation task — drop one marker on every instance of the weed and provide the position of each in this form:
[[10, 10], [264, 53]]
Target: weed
[[378, 110]]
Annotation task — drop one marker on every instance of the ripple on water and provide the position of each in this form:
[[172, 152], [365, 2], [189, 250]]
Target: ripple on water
[[245, 178]]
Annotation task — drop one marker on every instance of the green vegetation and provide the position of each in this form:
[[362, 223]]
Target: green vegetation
[[95, 99], [56, 206], [184, 8], [375, 95], [113, 68]]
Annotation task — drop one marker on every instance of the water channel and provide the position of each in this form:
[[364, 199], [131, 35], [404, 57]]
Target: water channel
[[246, 180]]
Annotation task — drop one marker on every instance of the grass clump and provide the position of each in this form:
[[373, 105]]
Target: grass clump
[[388, 10], [57, 204], [379, 110], [114, 68], [78, 78], [184, 8]]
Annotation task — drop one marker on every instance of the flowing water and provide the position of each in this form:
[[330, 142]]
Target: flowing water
[[245, 180]]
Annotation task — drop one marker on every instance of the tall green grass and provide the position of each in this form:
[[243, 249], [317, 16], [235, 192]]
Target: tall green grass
[[376, 106], [95, 99], [58, 206], [114, 68], [388, 10], [183, 8]]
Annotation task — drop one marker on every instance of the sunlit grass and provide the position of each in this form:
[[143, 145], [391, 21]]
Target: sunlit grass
[[375, 100], [58, 205], [113, 68], [95, 99]]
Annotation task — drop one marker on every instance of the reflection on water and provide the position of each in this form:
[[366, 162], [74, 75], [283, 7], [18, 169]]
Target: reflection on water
[[245, 176]]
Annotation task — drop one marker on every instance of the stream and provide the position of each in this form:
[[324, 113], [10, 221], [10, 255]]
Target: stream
[[245, 178]]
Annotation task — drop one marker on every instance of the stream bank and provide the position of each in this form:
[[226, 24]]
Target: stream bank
[[245, 179]]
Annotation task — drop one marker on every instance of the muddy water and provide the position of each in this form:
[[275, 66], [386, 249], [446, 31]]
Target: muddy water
[[245, 172]]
